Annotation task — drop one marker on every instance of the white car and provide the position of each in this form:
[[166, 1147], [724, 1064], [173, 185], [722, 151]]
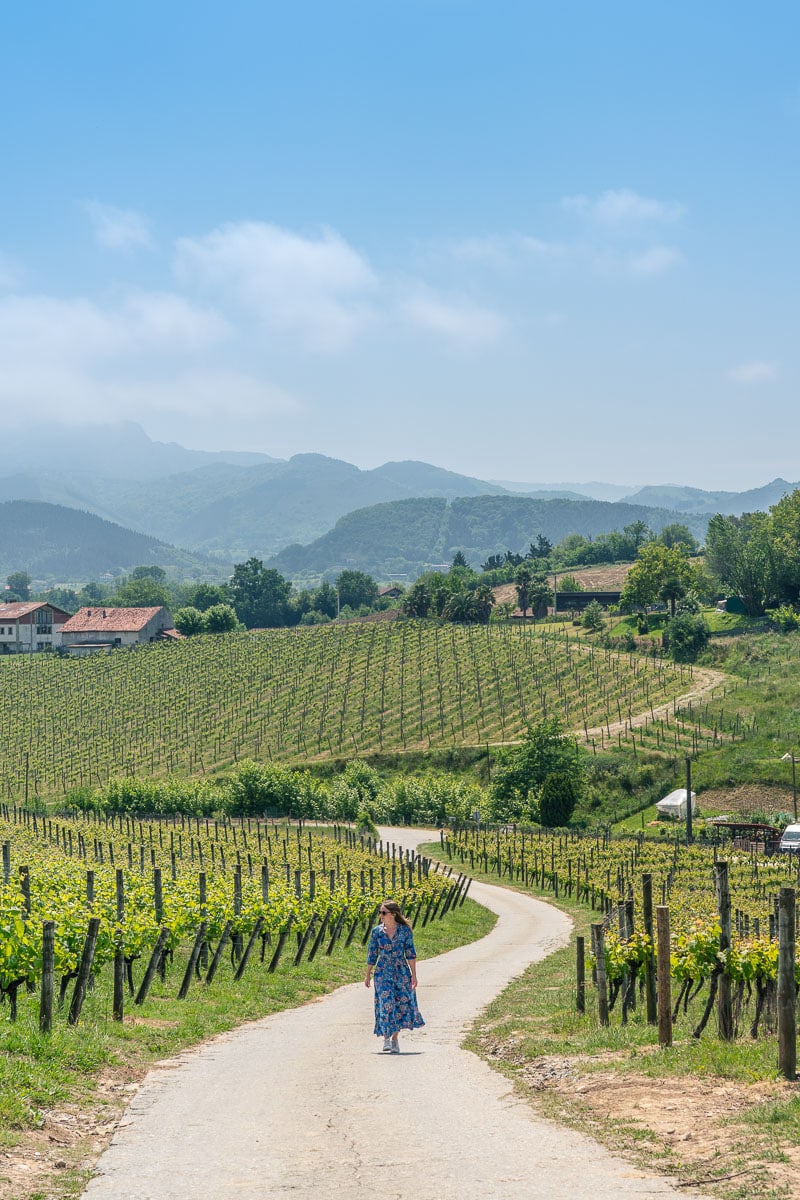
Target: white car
[[790, 840]]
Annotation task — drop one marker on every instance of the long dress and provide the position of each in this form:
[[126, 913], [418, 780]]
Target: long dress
[[395, 999]]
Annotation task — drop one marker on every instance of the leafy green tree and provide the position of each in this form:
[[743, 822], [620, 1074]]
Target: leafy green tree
[[655, 565], [325, 599], [741, 553], [356, 589], [153, 572], [189, 621], [521, 770], [784, 526], [685, 637], [542, 548], [494, 562], [672, 590], [417, 600], [482, 603], [557, 799], [592, 618], [90, 594], [459, 560], [638, 533], [142, 592], [19, 582], [220, 618], [203, 595], [540, 594], [63, 597], [678, 534], [568, 583], [260, 595], [459, 607]]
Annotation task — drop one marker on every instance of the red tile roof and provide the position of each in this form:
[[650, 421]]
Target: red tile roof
[[107, 620], [21, 608]]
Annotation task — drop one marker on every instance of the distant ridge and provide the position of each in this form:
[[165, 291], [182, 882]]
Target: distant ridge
[[64, 545], [410, 536]]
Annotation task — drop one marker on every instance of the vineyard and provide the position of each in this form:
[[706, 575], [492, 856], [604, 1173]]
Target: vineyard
[[613, 877], [131, 892], [299, 695]]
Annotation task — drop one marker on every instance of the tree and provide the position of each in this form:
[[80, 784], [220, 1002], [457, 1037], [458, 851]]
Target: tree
[[521, 770], [459, 560], [784, 527], [459, 607], [524, 581], [655, 565], [19, 582], [740, 552], [592, 618], [557, 801], [143, 592], [637, 533], [260, 595], [356, 589], [678, 534], [157, 573], [540, 594], [189, 621], [685, 637], [220, 618], [325, 599], [417, 600], [482, 603], [204, 595], [495, 562], [672, 590], [542, 547]]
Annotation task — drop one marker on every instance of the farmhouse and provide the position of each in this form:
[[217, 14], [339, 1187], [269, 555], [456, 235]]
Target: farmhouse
[[393, 591], [96, 629], [30, 625]]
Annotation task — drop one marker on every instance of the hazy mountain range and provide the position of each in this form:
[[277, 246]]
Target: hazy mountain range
[[230, 505]]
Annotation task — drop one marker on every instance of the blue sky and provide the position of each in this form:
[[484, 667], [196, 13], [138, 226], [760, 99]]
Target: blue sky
[[525, 241]]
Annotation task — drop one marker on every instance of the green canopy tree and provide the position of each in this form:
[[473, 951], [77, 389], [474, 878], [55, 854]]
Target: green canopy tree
[[741, 553], [260, 595]]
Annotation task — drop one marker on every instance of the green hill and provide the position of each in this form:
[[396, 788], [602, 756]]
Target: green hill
[[61, 545], [411, 536]]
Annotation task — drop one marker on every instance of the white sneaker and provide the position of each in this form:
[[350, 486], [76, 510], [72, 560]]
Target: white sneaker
[[387, 1045], [395, 1046]]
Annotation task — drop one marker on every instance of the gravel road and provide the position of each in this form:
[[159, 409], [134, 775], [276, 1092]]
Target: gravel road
[[303, 1104]]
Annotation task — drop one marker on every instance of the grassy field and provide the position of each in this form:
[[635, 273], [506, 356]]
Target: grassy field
[[302, 696]]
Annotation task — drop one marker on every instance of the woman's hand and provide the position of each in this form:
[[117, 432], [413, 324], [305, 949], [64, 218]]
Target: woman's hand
[[414, 982], [367, 978]]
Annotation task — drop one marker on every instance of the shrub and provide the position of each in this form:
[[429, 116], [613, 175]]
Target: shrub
[[685, 637], [557, 800]]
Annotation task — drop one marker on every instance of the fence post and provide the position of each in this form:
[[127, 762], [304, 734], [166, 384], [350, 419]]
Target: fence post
[[724, 999], [118, 1005], [580, 992], [649, 962], [48, 973], [787, 1029], [599, 950], [664, 975]]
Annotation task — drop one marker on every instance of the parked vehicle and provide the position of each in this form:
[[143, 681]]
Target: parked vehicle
[[790, 840]]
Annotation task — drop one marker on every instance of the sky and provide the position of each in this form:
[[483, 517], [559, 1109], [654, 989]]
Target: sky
[[526, 241]]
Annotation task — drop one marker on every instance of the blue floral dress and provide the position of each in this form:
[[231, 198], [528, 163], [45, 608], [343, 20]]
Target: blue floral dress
[[395, 999]]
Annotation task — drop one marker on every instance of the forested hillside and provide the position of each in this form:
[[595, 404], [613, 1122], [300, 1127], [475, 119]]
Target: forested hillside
[[61, 544], [410, 536]]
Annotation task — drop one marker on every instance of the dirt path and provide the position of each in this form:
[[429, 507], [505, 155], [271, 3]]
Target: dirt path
[[704, 680], [302, 1104]]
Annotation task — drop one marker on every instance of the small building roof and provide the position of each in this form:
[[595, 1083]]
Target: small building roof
[[21, 608], [111, 620]]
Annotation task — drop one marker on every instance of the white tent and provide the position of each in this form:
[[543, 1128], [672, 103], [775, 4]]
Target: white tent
[[674, 805]]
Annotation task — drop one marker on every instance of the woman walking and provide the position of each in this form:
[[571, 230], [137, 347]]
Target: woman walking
[[391, 952]]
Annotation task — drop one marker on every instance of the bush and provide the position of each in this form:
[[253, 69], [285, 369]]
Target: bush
[[256, 789], [786, 618], [557, 800], [685, 637], [593, 616]]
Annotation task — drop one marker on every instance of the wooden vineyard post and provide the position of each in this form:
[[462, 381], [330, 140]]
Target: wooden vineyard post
[[48, 973], [787, 1023], [248, 949], [215, 961], [649, 962], [283, 935], [155, 959], [599, 951], [724, 997], [118, 1005], [192, 963], [84, 971], [580, 981], [664, 952]]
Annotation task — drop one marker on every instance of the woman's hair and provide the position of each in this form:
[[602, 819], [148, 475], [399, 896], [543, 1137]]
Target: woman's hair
[[394, 909]]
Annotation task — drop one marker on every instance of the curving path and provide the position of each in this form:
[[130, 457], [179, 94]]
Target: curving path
[[302, 1104]]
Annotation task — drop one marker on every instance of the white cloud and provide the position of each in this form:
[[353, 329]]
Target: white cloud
[[118, 228], [754, 372], [459, 321], [318, 289], [621, 208], [500, 250], [654, 261]]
